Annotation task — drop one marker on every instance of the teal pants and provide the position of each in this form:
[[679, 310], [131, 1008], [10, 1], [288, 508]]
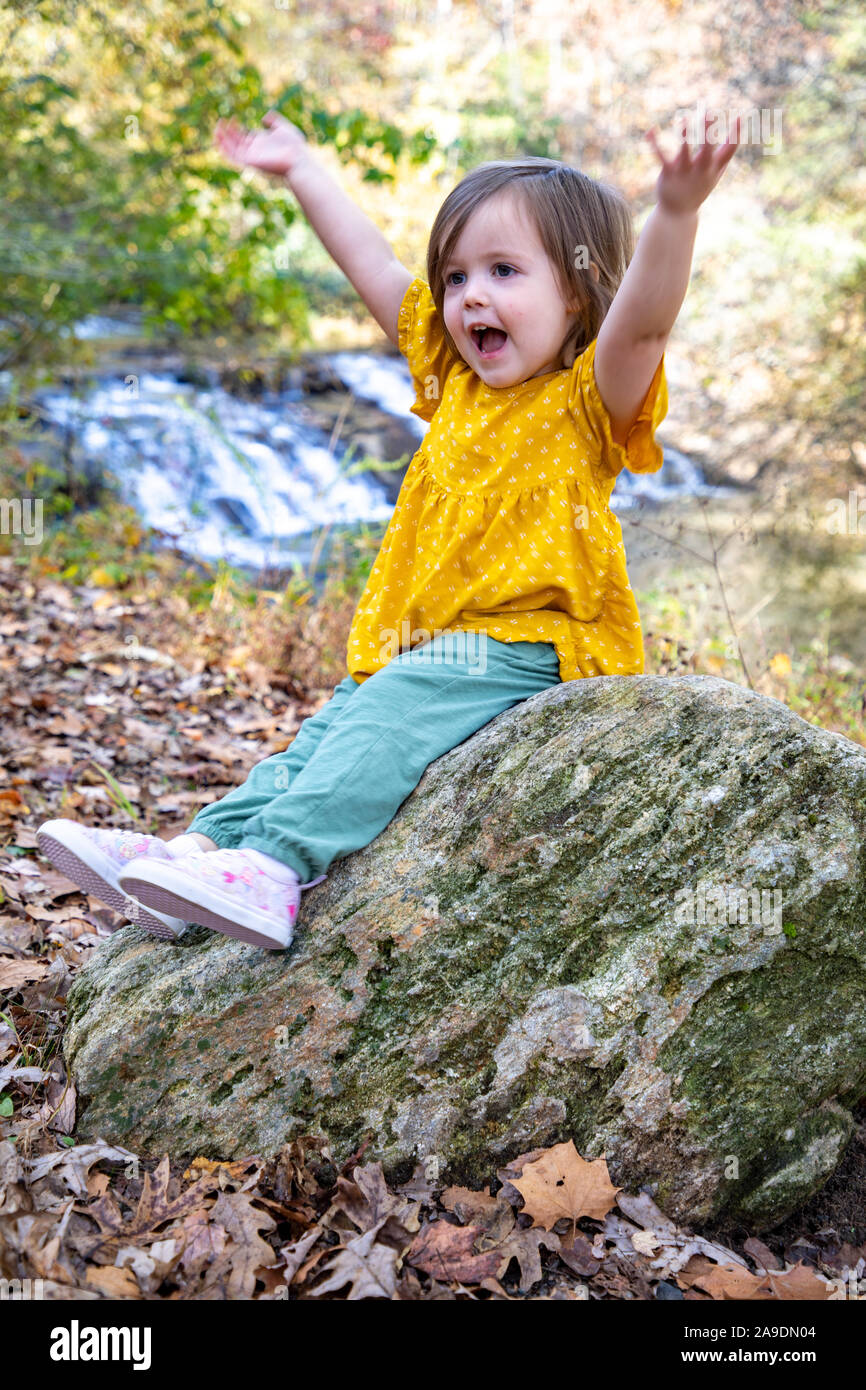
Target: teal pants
[[354, 762]]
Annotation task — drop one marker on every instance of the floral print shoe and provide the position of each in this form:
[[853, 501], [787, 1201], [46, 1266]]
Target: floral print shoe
[[226, 890], [94, 858]]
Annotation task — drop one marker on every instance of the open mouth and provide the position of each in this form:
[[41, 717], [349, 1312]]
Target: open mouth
[[489, 341]]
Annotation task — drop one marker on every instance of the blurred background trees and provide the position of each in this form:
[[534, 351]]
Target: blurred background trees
[[116, 202]]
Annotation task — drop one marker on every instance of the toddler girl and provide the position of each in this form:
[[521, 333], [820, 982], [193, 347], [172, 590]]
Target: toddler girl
[[536, 348]]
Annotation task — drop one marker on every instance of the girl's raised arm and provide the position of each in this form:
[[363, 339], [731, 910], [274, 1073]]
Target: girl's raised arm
[[347, 234], [632, 337]]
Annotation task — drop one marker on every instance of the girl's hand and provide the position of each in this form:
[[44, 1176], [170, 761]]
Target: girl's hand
[[275, 150], [686, 181]]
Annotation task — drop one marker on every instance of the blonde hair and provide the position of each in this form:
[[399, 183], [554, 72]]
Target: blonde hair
[[570, 210]]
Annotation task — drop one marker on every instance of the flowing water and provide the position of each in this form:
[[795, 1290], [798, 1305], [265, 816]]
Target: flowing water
[[251, 481], [265, 483]]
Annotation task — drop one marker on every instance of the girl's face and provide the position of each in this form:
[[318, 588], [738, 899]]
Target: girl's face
[[499, 276]]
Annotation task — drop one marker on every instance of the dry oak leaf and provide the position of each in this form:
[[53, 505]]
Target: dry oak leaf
[[731, 1282], [295, 1253], [523, 1246], [46, 1252], [236, 1269], [562, 1184], [73, 1165], [370, 1269], [155, 1206], [369, 1204], [203, 1241], [446, 1253]]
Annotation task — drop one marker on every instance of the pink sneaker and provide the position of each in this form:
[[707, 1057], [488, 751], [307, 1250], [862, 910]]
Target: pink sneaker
[[225, 890], [94, 858]]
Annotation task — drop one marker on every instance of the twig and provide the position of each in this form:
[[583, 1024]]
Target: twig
[[724, 595]]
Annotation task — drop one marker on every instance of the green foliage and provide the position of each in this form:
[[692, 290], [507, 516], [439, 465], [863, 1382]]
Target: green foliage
[[113, 191]]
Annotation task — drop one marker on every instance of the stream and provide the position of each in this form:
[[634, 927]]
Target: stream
[[254, 481]]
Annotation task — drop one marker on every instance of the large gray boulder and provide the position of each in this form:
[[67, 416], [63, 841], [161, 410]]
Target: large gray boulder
[[630, 911]]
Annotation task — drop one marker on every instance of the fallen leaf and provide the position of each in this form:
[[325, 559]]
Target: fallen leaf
[[369, 1269], [562, 1184], [800, 1282], [369, 1205], [761, 1254], [446, 1252], [294, 1254], [73, 1165], [204, 1239], [116, 1283], [235, 1269], [523, 1246], [15, 973], [467, 1205]]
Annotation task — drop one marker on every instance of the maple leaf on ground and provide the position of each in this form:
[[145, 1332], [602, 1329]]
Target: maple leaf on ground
[[370, 1269], [561, 1184]]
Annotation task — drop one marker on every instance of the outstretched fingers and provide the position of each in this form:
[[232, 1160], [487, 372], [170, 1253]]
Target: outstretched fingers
[[705, 152], [234, 141]]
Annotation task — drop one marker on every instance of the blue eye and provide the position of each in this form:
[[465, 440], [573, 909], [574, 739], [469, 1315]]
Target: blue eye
[[501, 265]]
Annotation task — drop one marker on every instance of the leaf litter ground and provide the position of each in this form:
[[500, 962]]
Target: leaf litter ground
[[120, 713]]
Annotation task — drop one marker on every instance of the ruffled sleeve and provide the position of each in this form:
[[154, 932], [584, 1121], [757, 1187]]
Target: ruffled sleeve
[[640, 453], [421, 340]]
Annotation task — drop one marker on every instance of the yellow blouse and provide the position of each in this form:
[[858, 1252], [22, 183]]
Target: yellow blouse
[[502, 523]]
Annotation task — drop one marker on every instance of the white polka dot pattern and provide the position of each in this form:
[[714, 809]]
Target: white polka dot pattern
[[503, 521]]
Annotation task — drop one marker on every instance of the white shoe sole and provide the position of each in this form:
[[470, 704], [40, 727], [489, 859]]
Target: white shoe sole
[[165, 886], [78, 858]]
